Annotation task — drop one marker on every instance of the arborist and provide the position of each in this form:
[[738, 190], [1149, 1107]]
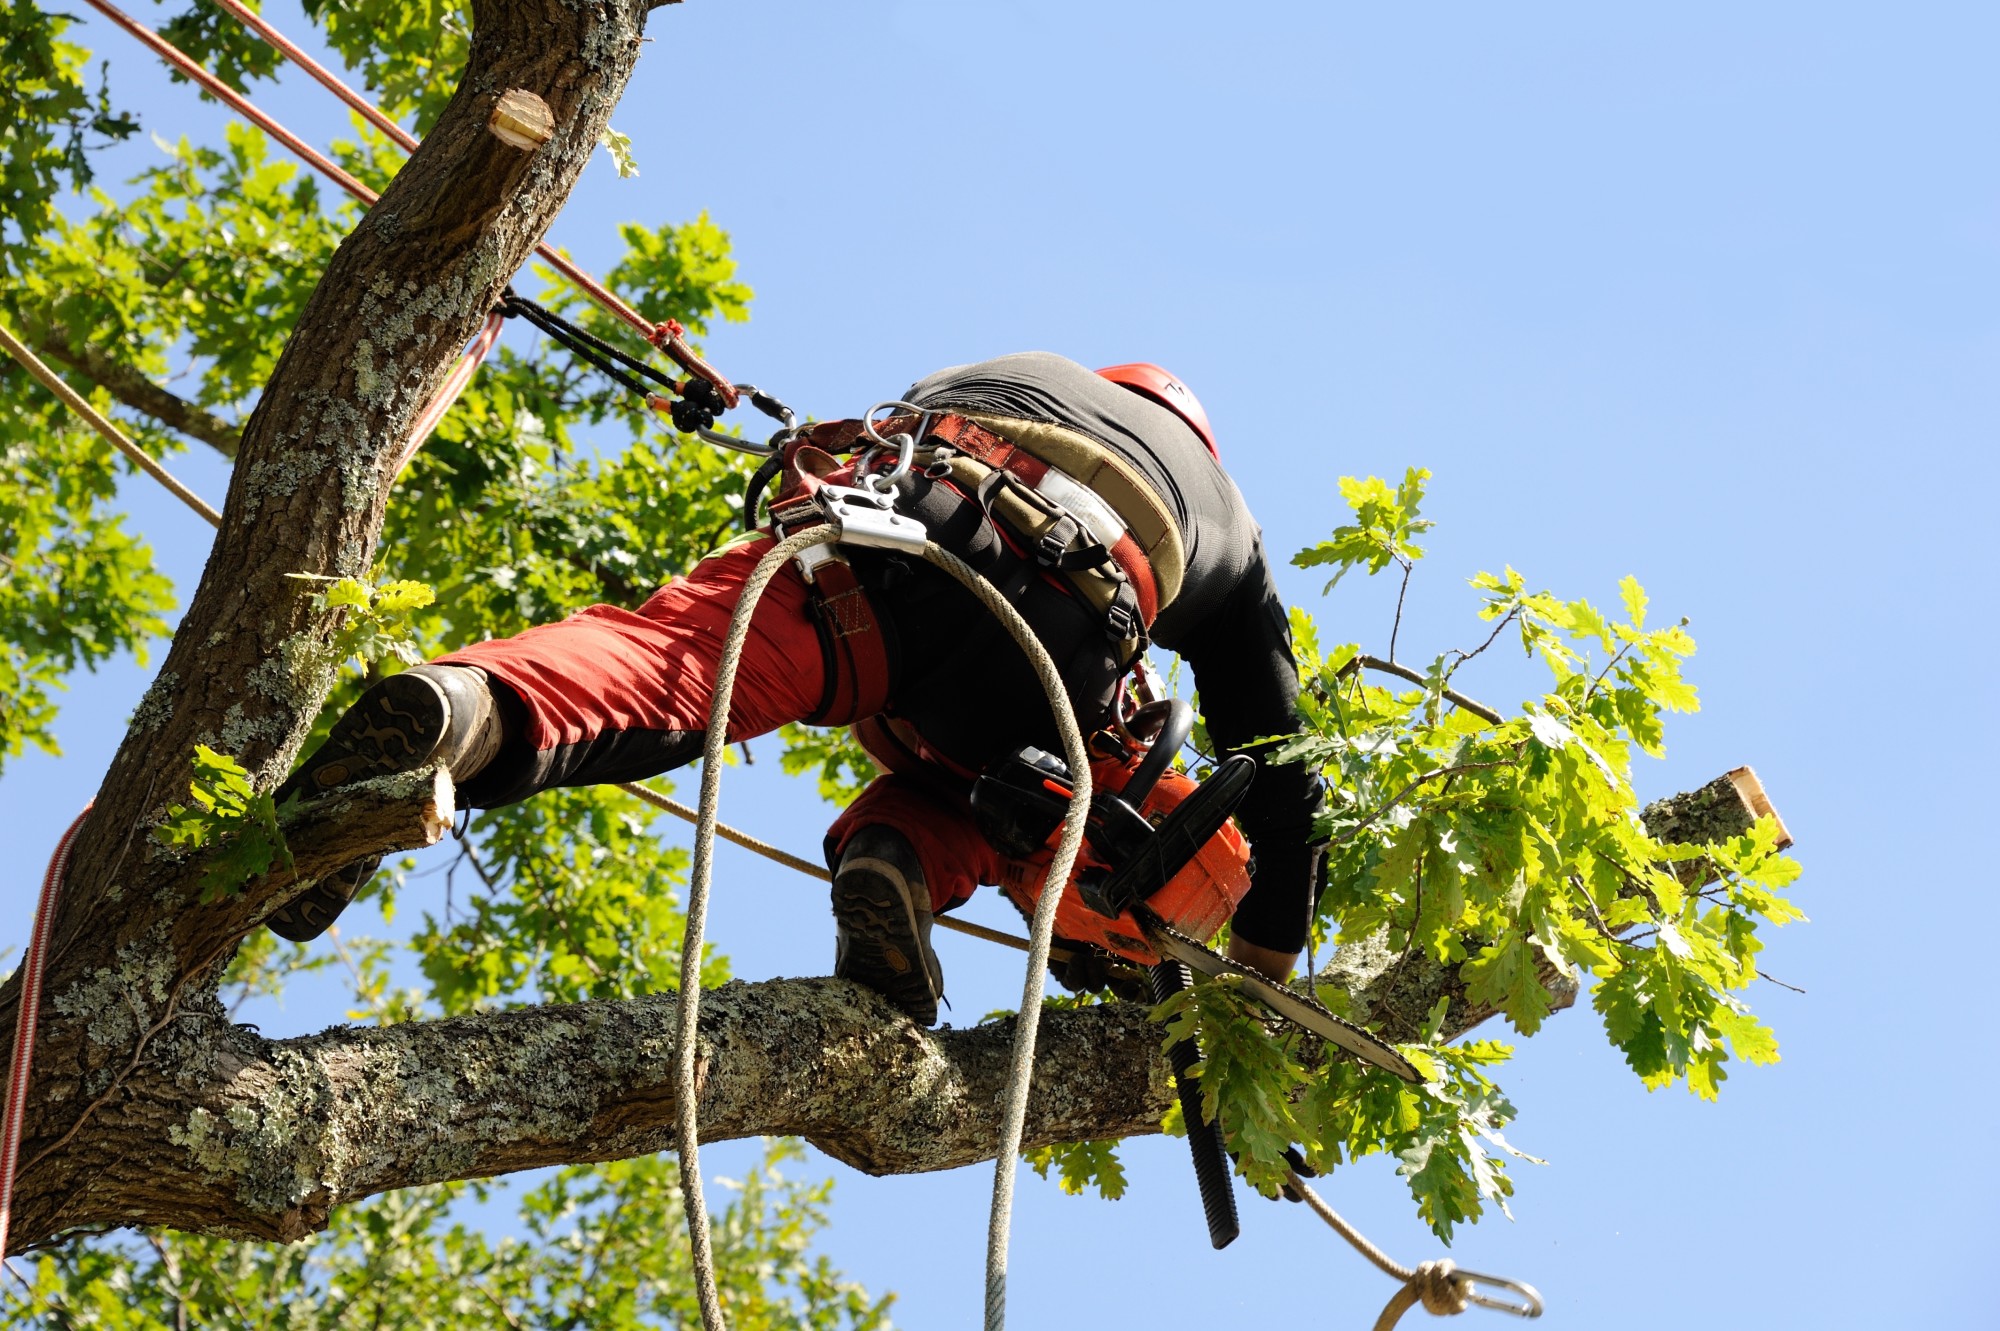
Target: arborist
[[1095, 501]]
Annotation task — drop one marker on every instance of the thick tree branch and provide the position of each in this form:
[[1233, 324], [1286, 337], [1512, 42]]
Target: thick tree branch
[[1392, 989], [280, 1131], [132, 388], [217, 1128]]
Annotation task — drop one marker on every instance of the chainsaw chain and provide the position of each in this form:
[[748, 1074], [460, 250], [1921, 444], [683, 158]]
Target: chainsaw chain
[[1360, 1034]]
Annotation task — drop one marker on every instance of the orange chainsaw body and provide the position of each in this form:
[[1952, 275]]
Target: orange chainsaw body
[[1197, 901]]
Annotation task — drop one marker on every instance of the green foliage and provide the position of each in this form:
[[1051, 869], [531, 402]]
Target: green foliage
[[1510, 849], [841, 768], [1384, 522], [76, 587], [603, 1248], [376, 621], [1081, 1165], [232, 822], [47, 127]]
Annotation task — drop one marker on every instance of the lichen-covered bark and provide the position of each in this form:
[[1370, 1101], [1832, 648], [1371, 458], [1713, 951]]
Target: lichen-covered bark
[[221, 1130], [276, 1132]]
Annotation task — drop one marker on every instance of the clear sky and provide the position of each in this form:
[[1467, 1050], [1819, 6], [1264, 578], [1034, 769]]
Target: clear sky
[[1708, 294]]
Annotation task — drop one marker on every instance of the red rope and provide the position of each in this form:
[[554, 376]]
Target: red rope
[[24, 1021], [448, 392], [182, 61]]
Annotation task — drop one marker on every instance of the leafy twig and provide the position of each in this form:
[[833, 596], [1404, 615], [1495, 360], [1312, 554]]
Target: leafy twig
[[1464, 656], [1409, 567], [1457, 699], [1391, 803]]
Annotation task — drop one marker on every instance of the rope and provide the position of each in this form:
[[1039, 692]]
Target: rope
[[25, 1016], [448, 392], [686, 1089], [811, 870], [75, 402], [1440, 1286], [235, 100]]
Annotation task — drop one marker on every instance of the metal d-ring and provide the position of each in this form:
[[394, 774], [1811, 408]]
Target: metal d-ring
[[905, 444]]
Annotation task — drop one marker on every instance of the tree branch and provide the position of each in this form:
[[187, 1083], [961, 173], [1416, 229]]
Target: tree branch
[[1393, 993], [221, 1129], [282, 1131], [1376, 663], [132, 388]]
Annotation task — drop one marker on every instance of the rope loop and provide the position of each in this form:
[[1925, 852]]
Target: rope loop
[[1439, 1289]]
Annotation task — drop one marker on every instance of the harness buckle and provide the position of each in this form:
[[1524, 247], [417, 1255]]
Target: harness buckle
[[869, 517]]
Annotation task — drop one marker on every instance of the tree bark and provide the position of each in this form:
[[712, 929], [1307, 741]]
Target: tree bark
[[209, 1126], [134, 949]]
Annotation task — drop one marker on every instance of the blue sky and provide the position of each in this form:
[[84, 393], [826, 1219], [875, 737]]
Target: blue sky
[[1706, 294]]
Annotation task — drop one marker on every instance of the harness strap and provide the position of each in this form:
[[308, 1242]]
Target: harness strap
[[983, 445], [850, 633], [848, 626]]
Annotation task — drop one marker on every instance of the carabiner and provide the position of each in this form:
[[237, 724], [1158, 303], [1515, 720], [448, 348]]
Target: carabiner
[[1529, 1305]]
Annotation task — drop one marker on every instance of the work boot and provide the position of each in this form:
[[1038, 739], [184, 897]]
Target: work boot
[[883, 910], [427, 714]]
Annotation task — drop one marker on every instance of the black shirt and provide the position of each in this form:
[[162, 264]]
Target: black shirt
[[1227, 620]]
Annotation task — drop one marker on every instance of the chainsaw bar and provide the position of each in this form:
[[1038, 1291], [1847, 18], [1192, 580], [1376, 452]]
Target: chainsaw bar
[[1293, 1006]]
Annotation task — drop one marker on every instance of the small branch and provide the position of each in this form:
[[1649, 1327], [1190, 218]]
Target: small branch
[[1397, 798], [1464, 656], [1780, 983], [135, 390], [1401, 592], [1452, 696]]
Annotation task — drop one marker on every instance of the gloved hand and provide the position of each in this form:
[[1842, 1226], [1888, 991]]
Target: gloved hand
[[1089, 970]]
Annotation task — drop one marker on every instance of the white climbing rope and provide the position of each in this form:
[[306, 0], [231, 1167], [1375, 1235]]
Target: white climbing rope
[[686, 1080]]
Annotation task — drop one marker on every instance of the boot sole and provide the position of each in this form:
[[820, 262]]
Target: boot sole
[[884, 948], [396, 726]]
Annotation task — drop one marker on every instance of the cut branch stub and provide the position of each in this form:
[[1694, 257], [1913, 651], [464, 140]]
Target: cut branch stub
[[522, 120]]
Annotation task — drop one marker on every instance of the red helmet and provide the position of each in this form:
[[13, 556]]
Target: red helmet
[[1149, 380]]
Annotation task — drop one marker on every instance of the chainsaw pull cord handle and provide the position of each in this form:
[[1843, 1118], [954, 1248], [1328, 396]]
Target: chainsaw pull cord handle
[[687, 1088]]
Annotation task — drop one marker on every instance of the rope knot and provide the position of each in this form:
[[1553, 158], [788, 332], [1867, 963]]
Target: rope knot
[[1439, 1288]]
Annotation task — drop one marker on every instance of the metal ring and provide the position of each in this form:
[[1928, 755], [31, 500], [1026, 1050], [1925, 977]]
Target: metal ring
[[868, 418], [1530, 1304], [883, 482]]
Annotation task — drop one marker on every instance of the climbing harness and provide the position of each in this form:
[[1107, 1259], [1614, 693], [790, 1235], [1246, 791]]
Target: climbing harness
[[1439, 1286]]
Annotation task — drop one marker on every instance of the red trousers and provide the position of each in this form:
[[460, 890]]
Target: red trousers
[[616, 695]]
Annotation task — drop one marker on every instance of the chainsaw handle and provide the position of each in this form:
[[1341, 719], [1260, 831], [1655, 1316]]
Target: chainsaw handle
[[1173, 733]]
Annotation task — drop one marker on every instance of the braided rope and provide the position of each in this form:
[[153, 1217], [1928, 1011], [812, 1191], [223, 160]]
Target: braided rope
[[686, 1088], [118, 439], [1440, 1286]]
